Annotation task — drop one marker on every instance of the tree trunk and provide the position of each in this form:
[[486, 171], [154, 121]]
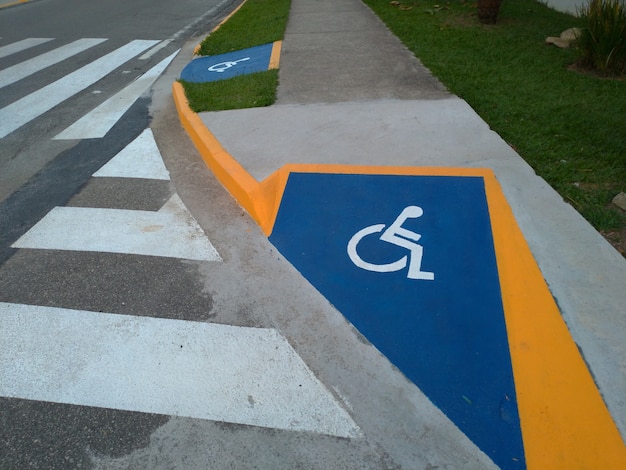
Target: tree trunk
[[488, 11]]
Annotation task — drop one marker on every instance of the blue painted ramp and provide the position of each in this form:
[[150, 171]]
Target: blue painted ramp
[[224, 66], [410, 262]]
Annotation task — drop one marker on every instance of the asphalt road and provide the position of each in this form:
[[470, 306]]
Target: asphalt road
[[27, 149]]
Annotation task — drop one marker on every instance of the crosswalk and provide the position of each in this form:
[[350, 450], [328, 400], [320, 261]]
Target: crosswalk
[[132, 360], [99, 121], [51, 354]]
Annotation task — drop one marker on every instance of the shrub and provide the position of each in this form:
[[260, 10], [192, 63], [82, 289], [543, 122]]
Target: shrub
[[602, 40]]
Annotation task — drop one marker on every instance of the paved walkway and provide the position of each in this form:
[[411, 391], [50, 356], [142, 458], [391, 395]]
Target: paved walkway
[[350, 93]]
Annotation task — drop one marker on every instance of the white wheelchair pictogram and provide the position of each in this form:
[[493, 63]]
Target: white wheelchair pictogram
[[220, 67], [399, 236]]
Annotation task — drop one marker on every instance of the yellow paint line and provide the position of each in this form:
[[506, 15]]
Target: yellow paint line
[[565, 423], [275, 56], [11, 4], [260, 200]]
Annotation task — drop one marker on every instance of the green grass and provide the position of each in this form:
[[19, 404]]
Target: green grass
[[569, 126], [256, 23], [603, 39], [244, 91]]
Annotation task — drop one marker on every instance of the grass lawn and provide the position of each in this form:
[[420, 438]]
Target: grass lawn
[[569, 126]]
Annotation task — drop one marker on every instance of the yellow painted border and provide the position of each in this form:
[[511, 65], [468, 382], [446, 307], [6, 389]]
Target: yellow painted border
[[12, 4], [275, 56], [565, 423]]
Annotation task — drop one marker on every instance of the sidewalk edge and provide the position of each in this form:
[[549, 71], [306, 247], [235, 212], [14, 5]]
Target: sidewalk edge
[[239, 183]]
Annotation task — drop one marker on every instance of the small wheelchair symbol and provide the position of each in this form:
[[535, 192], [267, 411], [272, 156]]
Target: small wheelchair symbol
[[399, 236], [220, 67]]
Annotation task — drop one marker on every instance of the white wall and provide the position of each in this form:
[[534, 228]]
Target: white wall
[[566, 6]]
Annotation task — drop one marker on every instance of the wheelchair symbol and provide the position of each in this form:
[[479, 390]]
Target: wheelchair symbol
[[399, 236], [220, 67]]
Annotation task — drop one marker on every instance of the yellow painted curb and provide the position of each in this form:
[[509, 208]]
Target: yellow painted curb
[[11, 4], [228, 171], [258, 199]]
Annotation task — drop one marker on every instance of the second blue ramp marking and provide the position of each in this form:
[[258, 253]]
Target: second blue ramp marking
[[410, 262], [223, 66]]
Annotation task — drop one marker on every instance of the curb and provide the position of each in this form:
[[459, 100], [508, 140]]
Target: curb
[[12, 4], [251, 195]]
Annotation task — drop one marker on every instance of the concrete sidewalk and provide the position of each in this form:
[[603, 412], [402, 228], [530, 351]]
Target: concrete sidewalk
[[351, 93]]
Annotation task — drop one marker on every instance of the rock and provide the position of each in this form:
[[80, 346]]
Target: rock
[[558, 42], [566, 39], [570, 34], [620, 201]]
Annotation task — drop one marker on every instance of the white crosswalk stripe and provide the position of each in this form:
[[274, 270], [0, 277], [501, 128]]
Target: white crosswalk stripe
[[21, 46], [98, 122], [139, 159], [155, 49], [154, 365], [22, 111], [24, 69], [171, 232]]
